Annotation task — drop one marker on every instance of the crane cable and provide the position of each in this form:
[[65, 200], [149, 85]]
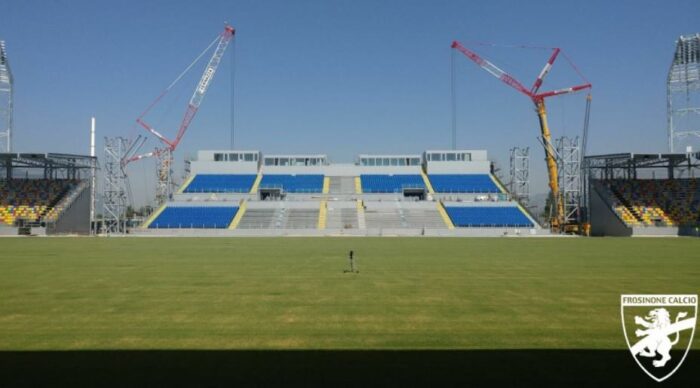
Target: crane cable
[[232, 105], [453, 102], [179, 77], [525, 46], [571, 63]]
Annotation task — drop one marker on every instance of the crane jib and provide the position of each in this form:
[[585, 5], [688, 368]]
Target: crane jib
[[206, 78], [197, 97]]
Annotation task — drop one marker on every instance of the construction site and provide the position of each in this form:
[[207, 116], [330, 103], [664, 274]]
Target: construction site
[[454, 192], [354, 193]]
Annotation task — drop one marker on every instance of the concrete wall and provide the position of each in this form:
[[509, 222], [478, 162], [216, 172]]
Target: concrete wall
[[211, 167], [604, 221], [8, 230], [342, 204], [655, 231], [342, 170], [371, 232], [417, 205], [198, 167], [283, 205], [205, 163], [295, 170], [75, 218], [474, 167], [208, 197], [388, 170], [479, 163]]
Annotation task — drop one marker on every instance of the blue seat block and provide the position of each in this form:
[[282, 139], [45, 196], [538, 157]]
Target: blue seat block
[[221, 183], [199, 217], [481, 216]]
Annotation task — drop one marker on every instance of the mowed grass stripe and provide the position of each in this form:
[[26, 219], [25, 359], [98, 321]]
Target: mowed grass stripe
[[291, 293]]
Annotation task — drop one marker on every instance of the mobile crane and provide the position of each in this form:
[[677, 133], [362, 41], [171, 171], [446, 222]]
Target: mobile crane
[[557, 220]]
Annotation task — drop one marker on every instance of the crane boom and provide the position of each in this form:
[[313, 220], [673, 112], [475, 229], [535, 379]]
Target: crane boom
[[204, 83], [492, 69], [195, 101], [557, 221], [545, 70]]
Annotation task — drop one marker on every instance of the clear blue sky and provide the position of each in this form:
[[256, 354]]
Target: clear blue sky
[[340, 77]]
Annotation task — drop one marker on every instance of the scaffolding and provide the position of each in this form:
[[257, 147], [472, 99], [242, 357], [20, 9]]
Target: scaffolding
[[115, 188], [683, 94], [6, 84], [520, 174], [569, 160], [164, 172]]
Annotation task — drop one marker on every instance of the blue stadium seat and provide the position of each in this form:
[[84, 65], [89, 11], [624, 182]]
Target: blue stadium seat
[[480, 216], [463, 183], [221, 183], [200, 217], [390, 183], [300, 183]]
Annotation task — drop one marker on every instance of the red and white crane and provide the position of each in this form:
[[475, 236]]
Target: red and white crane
[[558, 219], [169, 145], [164, 152]]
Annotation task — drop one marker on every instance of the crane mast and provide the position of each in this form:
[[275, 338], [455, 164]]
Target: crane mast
[[557, 220]]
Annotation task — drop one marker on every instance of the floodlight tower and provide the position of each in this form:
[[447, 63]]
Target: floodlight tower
[[6, 84], [683, 92]]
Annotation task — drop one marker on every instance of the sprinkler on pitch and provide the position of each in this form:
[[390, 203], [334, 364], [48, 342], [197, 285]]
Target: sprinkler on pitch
[[353, 264]]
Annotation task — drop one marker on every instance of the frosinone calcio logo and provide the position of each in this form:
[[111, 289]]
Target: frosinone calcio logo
[[659, 330]]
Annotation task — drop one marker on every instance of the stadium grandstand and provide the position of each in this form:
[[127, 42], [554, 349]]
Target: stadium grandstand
[[644, 194], [44, 193], [438, 193]]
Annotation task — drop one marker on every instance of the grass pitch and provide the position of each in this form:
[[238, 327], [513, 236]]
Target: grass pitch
[[291, 293]]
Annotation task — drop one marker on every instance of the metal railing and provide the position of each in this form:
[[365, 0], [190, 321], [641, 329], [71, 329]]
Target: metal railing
[[215, 190], [466, 191], [283, 190]]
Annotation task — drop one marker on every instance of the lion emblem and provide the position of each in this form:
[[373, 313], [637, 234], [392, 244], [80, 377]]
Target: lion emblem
[[654, 325]]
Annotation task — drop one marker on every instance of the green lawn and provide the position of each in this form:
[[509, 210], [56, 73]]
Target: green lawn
[[291, 293]]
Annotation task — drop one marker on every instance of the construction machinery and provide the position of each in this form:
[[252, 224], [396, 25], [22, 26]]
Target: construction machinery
[[126, 151], [557, 220], [164, 153]]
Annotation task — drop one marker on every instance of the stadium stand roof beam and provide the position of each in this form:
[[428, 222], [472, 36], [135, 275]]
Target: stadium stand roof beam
[[51, 163], [610, 165]]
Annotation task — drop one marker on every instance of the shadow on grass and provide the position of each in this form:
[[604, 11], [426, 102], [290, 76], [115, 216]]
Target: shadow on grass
[[227, 367]]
